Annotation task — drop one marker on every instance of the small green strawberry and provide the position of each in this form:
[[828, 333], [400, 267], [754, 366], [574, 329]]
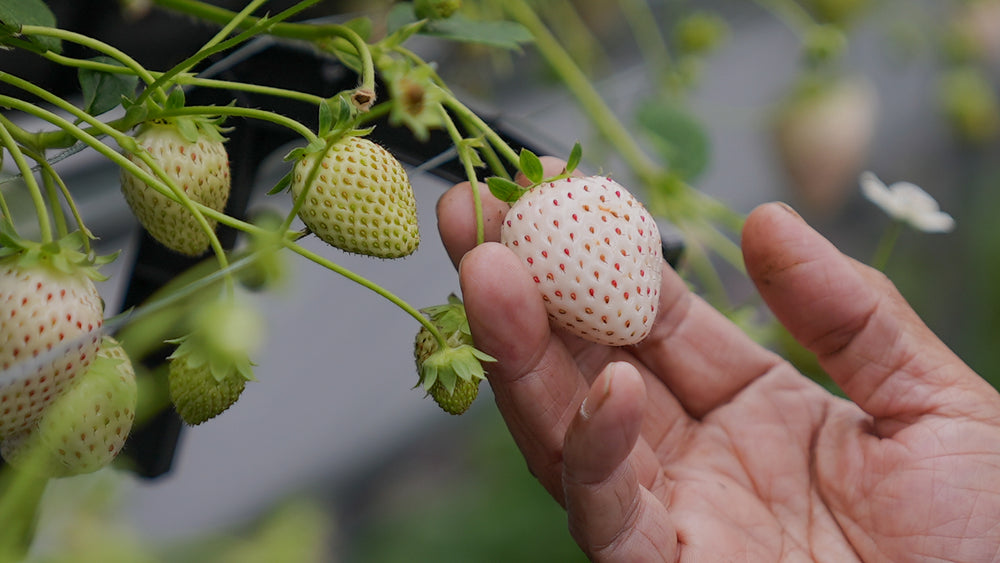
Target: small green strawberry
[[195, 157], [197, 393], [50, 321], [360, 199], [436, 9], [209, 369], [451, 376], [83, 429]]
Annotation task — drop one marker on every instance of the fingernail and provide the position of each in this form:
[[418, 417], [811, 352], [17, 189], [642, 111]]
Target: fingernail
[[789, 210], [593, 402]]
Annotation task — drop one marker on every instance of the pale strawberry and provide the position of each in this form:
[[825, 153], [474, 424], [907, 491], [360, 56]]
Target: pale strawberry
[[360, 199], [823, 134], [594, 253], [196, 160], [48, 317], [85, 428]]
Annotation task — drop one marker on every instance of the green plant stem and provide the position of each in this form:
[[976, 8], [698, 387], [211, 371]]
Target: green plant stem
[[583, 90], [470, 172], [374, 287], [45, 228], [252, 88], [21, 494], [68, 197], [52, 193], [217, 44], [237, 111], [306, 32], [647, 35], [98, 46], [884, 249], [468, 115]]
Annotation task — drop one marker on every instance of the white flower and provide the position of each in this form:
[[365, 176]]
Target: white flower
[[907, 203]]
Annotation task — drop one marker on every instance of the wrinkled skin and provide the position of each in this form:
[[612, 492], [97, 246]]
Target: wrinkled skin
[[700, 445]]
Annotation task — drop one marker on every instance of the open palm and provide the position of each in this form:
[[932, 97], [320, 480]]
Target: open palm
[[700, 445]]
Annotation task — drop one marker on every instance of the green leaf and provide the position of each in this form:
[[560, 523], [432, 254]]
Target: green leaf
[[325, 118], [402, 24], [531, 166], [361, 25], [574, 158], [678, 135], [15, 13], [502, 34], [282, 184], [176, 99], [504, 190], [103, 91]]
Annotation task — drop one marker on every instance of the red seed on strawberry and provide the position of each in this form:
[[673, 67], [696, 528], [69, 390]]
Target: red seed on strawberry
[[595, 254]]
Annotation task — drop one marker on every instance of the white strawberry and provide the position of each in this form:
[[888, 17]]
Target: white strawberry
[[196, 159], [48, 314], [85, 428], [594, 253]]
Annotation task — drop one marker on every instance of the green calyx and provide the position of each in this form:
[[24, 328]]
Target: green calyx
[[194, 350], [459, 360], [532, 169], [447, 365], [65, 255]]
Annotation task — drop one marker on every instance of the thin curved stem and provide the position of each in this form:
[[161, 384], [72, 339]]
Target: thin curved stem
[[374, 287], [34, 190], [98, 46]]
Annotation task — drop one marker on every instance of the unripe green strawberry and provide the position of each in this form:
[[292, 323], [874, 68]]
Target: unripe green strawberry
[[360, 200], [49, 314], [450, 376], [198, 163], [84, 428], [208, 372], [435, 9], [594, 253], [197, 395]]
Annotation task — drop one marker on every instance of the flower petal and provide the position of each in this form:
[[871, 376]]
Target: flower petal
[[877, 193], [937, 222]]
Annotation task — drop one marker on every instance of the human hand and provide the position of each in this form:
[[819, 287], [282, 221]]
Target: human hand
[[700, 445]]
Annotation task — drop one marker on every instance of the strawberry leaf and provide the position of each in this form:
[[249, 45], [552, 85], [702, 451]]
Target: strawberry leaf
[[531, 166], [503, 34], [282, 184], [15, 13], [103, 91], [504, 190], [574, 158], [678, 135]]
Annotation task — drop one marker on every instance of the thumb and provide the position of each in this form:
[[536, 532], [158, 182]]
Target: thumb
[[863, 332]]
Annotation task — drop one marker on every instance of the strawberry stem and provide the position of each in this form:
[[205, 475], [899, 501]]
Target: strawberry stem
[[238, 111], [278, 28], [98, 46], [21, 494], [464, 155], [791, 13], [217, 44], [586, 94], [45, 228], [364, 282]]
